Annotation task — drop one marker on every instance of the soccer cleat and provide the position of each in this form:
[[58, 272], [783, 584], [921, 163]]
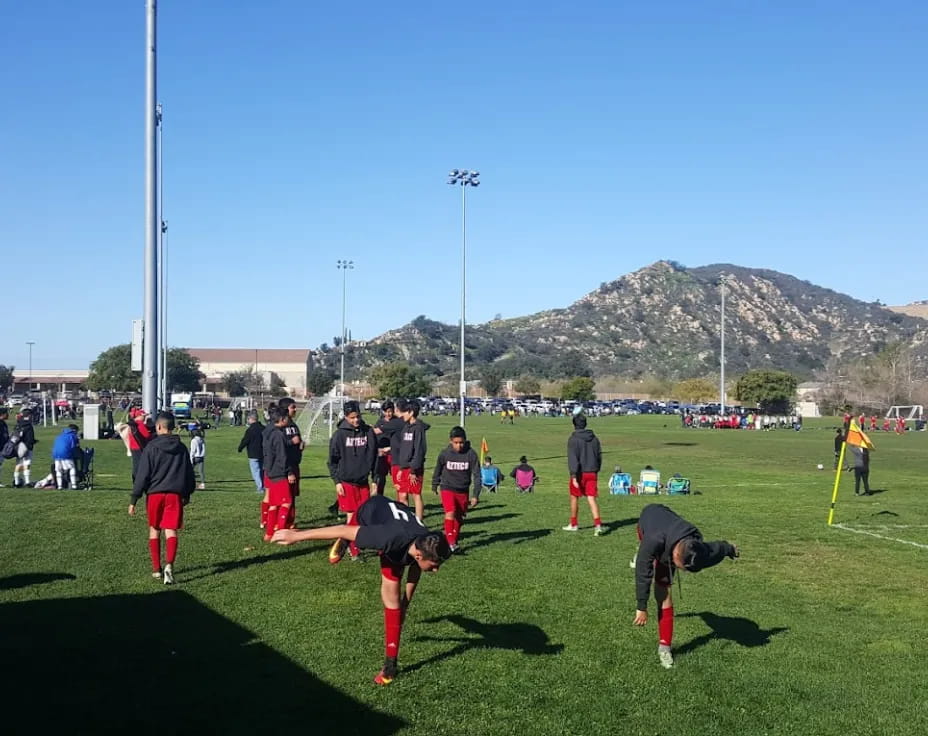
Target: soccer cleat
[[156, 575], [169, 575], [388, 673], [201, 487], [337, 551], [570, 528], [666, 658], [634, 561], [453, 547], [598, 531]]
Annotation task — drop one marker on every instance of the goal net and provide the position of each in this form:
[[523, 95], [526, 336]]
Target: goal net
[[318, 419], [914, 411]]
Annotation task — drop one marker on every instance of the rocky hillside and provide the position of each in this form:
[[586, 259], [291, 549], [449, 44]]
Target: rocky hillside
[[661, 320]]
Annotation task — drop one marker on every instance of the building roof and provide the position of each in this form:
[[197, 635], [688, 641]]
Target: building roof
[[248, 356]]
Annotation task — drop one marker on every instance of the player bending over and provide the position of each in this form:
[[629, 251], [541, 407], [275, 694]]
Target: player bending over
[[403, 542], [667, 542]]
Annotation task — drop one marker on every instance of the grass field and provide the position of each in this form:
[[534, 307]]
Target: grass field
[[813, 631]]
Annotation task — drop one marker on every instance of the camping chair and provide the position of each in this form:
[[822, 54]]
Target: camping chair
[[489, 478], [620, 484], [525, 481], [649, 483], [678, 485], [84, 463]]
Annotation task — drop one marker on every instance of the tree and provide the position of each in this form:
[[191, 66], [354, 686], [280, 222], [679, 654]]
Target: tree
[[320, 382], [491, 380], [578, 389], [234, 383], [528, 386], [399, 379], [112, 370], [771, 391], [183, 371], [6, 378], [571, 363], [277, 383], [695, 390]]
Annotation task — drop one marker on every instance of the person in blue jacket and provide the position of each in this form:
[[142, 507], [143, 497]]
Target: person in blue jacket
[[66, 446]]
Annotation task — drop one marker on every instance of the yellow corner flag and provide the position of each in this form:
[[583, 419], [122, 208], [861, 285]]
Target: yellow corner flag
[[855, 437], [484, 449]]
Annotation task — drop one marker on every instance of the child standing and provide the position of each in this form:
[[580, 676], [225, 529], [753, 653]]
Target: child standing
[[27, 441], [279, 474], [584, 461], [458, 473], [165, 475], [198, 457]]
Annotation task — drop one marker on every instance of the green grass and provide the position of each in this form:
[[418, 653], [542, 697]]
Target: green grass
[[814, 631]]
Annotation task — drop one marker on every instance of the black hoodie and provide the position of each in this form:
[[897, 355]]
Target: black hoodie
[[164, 467], [274, 447], [661, 529], [389, 429], [253, 441], [411, 448], [26, 433], [584, 454], [457, 471], [352, 453]]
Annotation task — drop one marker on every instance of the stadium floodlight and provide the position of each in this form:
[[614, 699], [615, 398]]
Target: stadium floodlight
[[464, 178], [344, 267]]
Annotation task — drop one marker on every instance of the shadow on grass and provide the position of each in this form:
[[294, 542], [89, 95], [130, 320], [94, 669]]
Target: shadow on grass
[[518, 637], [681, 444], [219, 568], [477, 519], [739, 630], [24, 580], [611, 526], [513, 537], [161, 663]]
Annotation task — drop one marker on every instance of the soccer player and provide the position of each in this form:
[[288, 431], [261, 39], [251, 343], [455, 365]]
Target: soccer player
[[141, 431], [4, 432], [410, 457], [295, 447], [27, 442], [385, 429], [872, 423], [279, 473], [584, 460], [165, 475], [402, 542], [839, 440], [458, 473], [352, 459], [668, 542]]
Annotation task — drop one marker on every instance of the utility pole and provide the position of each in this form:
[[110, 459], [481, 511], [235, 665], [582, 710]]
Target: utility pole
[[150, 349]]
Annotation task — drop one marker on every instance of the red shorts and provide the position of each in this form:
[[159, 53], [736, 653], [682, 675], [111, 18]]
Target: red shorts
[[278, 492], [587, 486], [410, 483], [389, 571], [165, 511], [454, 502], [662, 574], [396, 474], [353, 496]]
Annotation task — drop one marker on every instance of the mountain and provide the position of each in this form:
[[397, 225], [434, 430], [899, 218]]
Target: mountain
[[915, 309], [661, 320]]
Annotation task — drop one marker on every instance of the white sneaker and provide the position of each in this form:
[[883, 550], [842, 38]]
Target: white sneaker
[[168, 575], [634, 561], [570, 528], [666, 658], [598, 531], [156, 575]]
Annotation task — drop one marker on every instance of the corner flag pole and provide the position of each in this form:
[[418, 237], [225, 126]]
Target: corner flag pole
[[834, 493]]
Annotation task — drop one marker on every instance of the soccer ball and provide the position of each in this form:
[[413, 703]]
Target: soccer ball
[[821, 467]]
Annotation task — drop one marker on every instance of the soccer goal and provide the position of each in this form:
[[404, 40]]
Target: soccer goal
[[912, 412], [318, 419]]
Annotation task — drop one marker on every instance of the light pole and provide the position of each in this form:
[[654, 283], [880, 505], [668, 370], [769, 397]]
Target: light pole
[[150, 349], [722, 361], [344, 267], [30, 343], [464, 179], [162, 268]]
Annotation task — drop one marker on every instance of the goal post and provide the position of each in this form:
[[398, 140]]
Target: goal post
[[319, 417], [908, 412]]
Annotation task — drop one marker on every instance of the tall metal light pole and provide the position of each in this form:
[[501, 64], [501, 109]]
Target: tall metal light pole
[[150, 315], [30, 343], [162, 268], [464, 178], [344, 267], [722, 361]]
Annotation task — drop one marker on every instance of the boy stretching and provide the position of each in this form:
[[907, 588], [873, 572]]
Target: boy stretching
[[403, 542], [165, 475], [352, 459], [668, 542], [458, 474]]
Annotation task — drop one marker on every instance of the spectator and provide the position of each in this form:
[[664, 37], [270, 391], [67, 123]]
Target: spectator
[[524, 476], [490, 475], [251, 442], [198, 457], [4, 432], [839, 440], [27, 441], [861, 469], [66, 445]]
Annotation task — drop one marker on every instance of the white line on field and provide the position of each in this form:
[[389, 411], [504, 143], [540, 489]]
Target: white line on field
[[879, 536]]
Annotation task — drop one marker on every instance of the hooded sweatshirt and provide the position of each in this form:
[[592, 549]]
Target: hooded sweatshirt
[[164, 468], [457, 471], [274, 444], [65, 444], [389, 428], [352, 453], [26, 433], [661, 529], [584, 454], [412, 447]]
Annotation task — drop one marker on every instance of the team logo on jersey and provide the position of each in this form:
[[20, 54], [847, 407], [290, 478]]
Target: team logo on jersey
[[455, 465], [407, 436], [356, 442]]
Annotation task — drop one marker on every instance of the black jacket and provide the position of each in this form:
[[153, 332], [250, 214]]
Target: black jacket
[[352, 453], [839, 440], [294, 450], [388, 430], [4, 433], [412, 447], [164, 467], [274, 449], [457, 471], [26, 433], [584, 454], [252, 440]]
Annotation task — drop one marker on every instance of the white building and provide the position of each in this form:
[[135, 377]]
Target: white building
[[57, 380], [292, 366]]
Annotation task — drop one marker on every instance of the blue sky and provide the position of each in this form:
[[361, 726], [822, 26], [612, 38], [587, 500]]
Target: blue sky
[[609, 135]]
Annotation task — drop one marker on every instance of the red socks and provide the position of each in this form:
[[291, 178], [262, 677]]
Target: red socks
[[264, 507], [573, 521], [392, 623], [283, 517], [290, 521], [270, 520], [597, 521], [449, 531], [154, 548], [665, 625], [170, 549]]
